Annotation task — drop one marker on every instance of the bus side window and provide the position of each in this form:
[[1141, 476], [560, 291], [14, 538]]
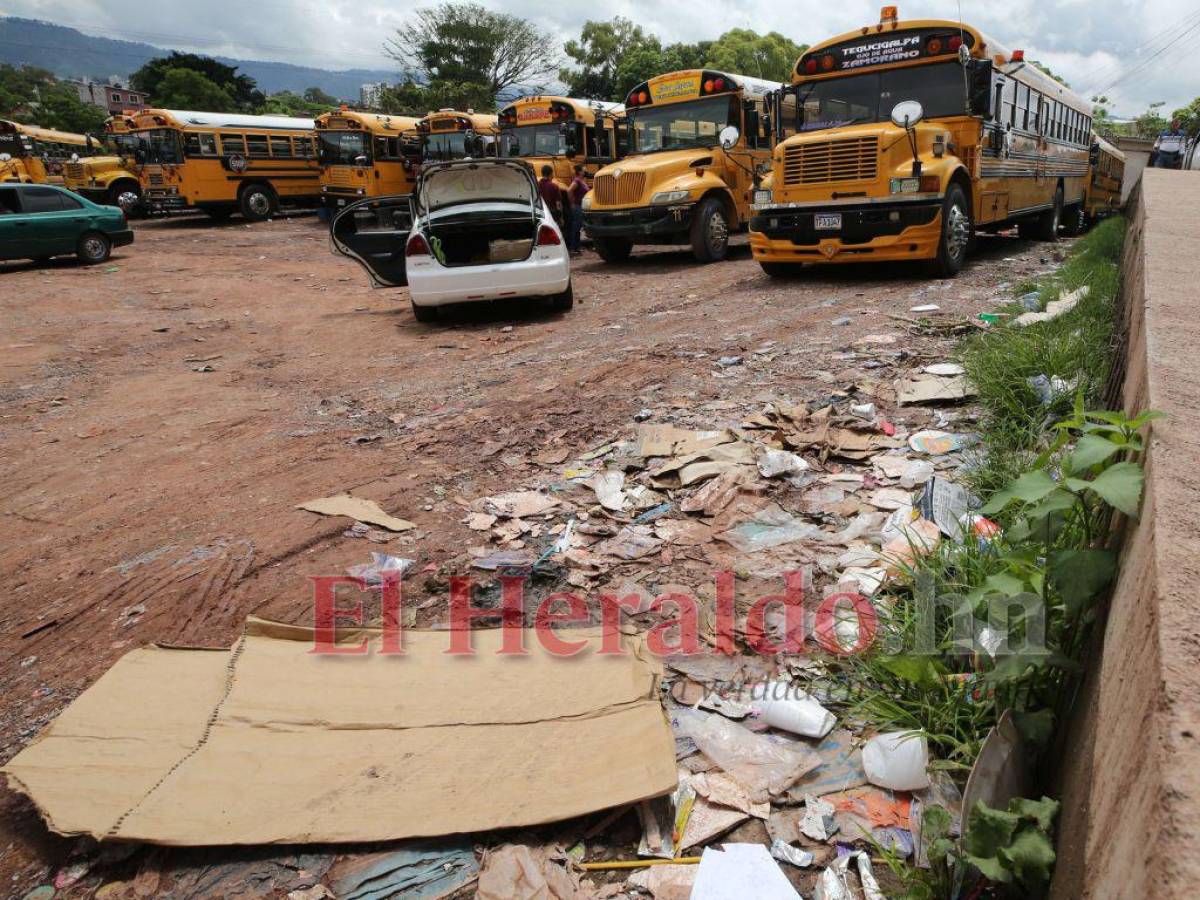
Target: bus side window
[[208, 144], [1009, 107], [281, 147], [256, 145], [191, 144], [305, 148], [233, 143]]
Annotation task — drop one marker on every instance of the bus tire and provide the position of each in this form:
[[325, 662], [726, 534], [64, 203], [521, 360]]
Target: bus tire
[[93, 248], [613, 249], [957, 229], [710, 231], [257, 202], [219, 213], [424, 313], [126, 196], [1048, 222], [780, 270], [1075, 220]]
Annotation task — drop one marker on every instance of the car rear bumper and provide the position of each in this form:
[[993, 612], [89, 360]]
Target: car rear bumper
[[432, 284], [639, 224], [121, 237], [878, 231]]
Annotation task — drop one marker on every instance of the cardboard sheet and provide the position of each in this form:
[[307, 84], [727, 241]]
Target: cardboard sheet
[[270, 743], [356, 508]]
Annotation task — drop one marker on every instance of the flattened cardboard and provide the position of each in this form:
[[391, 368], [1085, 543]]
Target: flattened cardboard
[[356, 508], [270, 743]]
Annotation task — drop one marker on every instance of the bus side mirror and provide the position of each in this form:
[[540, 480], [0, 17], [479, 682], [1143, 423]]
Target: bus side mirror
[[766, 125], [752, 124], [979, 78], [729, 137]]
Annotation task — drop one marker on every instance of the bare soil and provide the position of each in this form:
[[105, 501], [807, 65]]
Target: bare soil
[[162, 416]]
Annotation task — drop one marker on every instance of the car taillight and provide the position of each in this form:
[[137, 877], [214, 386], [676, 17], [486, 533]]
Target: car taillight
[[548, 237], [416, 246]]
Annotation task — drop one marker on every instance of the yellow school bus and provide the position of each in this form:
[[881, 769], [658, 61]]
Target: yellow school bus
[[1106, 176], [449, 134], [109, 177], [30, 154], [909, 137], [224, 162], [366, 155], [560, 132], [695, 140]]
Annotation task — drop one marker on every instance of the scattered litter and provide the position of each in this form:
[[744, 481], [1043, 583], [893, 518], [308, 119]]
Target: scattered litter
[[669, 882], [643, 414], [505, 559], [1032, 302], [631, 542], [770, 527], [654, 513], [835, 882], [818, 823], [423, 871], [933, 389], [737, 871], [944, 503], [1050, 389], [938, 443], [1067, 301], [608, 486], [773, 463], [381, 568], [925, 308], [944, 370], [897, 760], [356, 508], [519, 872], [789, 854], [519, 504], [841, 320], [911, 472], [840, 769], [726, 362], [796, 712], [863, 410], [664, 821], [481, 521]]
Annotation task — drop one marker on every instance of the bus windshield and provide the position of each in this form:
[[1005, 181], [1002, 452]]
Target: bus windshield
[[343, 148], [454, 145], [533, 140], [158, 145], [693, 123], [870, 96]]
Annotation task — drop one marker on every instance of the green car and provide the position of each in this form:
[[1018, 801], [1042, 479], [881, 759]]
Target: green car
[[38, 221]]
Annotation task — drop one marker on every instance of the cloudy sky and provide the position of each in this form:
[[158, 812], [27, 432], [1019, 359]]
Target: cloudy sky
[[1105, 45]]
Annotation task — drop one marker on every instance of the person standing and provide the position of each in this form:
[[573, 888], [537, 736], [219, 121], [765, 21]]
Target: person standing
[[551, 194], [576, 191], [1168, 149]]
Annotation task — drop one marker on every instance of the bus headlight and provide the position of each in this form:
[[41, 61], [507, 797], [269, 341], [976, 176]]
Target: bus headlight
[[663, 197], [762, 198], [587, 202]]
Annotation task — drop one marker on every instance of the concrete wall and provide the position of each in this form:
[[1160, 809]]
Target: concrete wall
[[1137, 156], [1131, 766]]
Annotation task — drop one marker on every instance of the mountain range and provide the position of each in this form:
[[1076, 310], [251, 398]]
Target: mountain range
[[69, 53]]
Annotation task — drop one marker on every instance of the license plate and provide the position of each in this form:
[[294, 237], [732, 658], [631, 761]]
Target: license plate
[[341, 202], [828, 221]]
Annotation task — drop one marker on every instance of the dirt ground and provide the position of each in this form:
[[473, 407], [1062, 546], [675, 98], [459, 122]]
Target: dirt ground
[[162, 415]]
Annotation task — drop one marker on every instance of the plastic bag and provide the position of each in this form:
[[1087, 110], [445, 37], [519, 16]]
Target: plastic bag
[[761, 765], [897, 760]]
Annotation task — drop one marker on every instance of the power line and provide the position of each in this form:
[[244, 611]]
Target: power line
[[1151, 45], [1141, 66]]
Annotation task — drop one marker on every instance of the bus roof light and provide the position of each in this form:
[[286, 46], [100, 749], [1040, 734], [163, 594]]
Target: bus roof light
[[719, 84], [643, 97], [1018, 56], [889, 14], [827, 62], [955, 42], [810, 67]]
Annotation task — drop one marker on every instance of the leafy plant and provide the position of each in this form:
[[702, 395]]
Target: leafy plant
[[1013, 847]]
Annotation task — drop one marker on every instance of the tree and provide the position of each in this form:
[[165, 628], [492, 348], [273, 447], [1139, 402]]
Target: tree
[[241, 88], [412, 99], [1189, 116], [1102, 121], [188, 89], [317, 97], [605, 49], [466, 44], [34, 96], [742, 51], [1046, 70], [1151, 123], [310, 105]]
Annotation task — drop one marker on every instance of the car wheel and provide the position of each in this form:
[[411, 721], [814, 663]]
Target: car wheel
[[563, 302], [613, 249], [1048, 222], [710, 231], [957, 229], [93, 248], [780, 270], [257, 202], [424, 313]]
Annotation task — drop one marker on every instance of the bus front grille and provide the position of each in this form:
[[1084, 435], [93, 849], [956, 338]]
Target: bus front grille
[[156, 178], [74, 171], [612, 191], [821, 162]]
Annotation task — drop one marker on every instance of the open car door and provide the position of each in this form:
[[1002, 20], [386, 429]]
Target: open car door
[[373, 233]]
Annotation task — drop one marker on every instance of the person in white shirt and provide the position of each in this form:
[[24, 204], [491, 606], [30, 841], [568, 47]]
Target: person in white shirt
[[1169, 148]]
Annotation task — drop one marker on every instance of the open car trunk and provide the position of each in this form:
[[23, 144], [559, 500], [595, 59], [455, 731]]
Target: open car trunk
[[472, 239]]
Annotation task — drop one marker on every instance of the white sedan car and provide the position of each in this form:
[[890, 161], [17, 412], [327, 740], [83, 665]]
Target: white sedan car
[[473, 231]]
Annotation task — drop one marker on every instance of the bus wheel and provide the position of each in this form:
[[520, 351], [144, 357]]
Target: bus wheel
[[780, 270], [1048, 222], [1075, 221], [956, 231], [613, 249], [710, 232], [127, 197], [257, 202], [93, 248]]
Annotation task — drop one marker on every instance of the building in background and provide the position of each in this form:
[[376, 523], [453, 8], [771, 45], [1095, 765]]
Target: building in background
[[370, 96], [112, 96]]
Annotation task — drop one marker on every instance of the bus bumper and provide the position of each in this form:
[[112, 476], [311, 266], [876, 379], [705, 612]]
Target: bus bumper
[[158, 200], [880, 232], [647, 224]]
